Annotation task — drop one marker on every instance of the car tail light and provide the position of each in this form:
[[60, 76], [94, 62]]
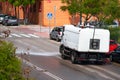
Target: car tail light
[[6, 20]]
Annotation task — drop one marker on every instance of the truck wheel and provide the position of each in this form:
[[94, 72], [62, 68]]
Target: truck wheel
[[73, 58], [61, 48], [63, 56], [62, 51], [50, 37]]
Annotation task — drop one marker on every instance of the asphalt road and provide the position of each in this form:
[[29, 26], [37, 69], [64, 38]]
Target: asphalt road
[[43, 57]]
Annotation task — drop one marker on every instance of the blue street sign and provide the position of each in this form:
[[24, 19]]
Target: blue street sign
[[49, 15]]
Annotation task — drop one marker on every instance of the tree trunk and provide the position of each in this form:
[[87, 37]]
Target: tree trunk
[[18, 16], [24, 13], [73, 19], [80, 18], [15, 11]]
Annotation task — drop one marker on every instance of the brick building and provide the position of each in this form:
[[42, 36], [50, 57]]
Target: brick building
[[37, 13]]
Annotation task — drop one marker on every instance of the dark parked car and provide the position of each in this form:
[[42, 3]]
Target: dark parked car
[[115, 55], [56, 33], [2, 16], [10, 20]]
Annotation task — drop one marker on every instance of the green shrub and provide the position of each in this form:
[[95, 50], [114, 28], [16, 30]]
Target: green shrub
[[115, 33], [10, 66]]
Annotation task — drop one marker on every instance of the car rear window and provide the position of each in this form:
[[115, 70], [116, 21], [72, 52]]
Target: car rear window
[[12, 17], [60, 29]]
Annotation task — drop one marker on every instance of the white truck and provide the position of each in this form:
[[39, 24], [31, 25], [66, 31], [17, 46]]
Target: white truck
[[84, 44]]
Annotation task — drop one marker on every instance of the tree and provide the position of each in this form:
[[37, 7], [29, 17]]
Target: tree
[[24, 5], [109, 10], [6, 4], [90, 9], [10, 66], [103, 10], [73, 7], [15, 3]]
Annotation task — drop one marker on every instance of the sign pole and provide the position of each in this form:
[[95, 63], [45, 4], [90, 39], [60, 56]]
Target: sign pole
[[49, 25], [49, 16], [40, 21]]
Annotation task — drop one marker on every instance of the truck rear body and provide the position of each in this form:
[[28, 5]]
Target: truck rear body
[[85, 43]]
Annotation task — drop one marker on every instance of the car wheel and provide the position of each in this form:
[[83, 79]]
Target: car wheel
[[57, 39], [16, 24], [6, 24], [51, 37]]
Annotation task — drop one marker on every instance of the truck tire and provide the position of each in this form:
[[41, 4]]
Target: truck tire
[[62, 51], [61, 48], [73, 57]]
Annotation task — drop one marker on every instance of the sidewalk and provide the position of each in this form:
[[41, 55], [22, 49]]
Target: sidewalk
[[37, 30]]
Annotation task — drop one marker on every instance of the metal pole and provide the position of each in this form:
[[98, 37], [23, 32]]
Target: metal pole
[[49, 25], [40, 21]]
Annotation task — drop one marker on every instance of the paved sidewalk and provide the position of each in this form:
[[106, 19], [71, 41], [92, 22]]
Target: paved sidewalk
[[36, 29]]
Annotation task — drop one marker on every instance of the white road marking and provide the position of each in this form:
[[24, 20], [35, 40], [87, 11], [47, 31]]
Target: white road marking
[[10, 36], [39, 53], [33, 35], [15, 35], [94, 71], [25, 35], [109, 72], [40, 69]]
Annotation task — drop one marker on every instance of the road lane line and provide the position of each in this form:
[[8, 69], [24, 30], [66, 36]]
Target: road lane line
[[91, 70], [38, 53], [10, 36], [96, 71], [40, 69], [15, 35], [25, 35], [109, 72], [33, 35]]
